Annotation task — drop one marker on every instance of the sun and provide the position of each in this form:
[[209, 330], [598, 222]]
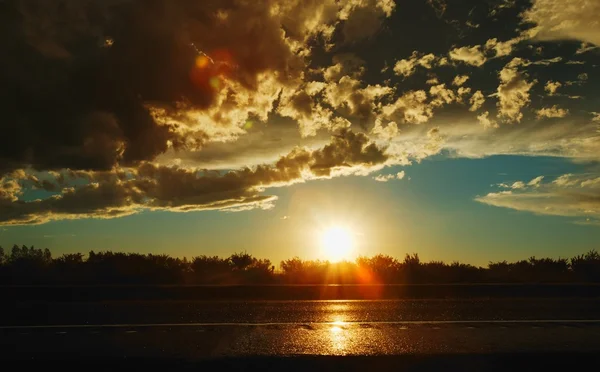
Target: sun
[[337, 244]]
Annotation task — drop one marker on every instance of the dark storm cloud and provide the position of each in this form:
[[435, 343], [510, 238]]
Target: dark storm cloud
[[77, 77], [109, 194], [67, 101]]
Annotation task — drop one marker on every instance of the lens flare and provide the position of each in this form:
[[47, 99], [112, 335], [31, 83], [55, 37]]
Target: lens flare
[[215, 82], [202, 62]]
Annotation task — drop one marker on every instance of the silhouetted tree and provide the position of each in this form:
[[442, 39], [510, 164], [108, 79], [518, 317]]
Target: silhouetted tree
[[209, 270], [379, 268], [241, 261], [587, 267], [28, 265], [548, 270], [411, 268], [3, 266], [498, 270]]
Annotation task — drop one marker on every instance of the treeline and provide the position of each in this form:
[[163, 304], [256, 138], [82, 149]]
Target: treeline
[[30, 266]]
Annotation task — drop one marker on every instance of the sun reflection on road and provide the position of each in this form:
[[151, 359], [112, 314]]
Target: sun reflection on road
[[338, 335]]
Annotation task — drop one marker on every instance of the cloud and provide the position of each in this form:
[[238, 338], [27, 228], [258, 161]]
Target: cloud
[[520, 185], [502, 48], [250, 92], [363, 18], [117, 193], [470, 55], [441, 95], [555, 21], [594, 182], [513, 91], [552, 112], [411, 107], [10, 190], [350, 98], [407, 67], [566, 180], [486, 121], [116, 83], [307, 111], [573, 137], [585, 47], [344, 64], [262, 143], [385, 178], [386, 133], [461, 92], [551, 87], [94, 112], [514, 186], [545, 62], [581, 79], [459, 80], [536, 181], [568, 196], [477, 100], [432, 81]]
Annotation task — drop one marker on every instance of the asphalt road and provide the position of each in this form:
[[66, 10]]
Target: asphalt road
[[276, 328], [169, 312]]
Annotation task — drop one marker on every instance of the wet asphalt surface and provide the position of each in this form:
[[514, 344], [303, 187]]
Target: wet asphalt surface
[[169, 312], [284, 328]]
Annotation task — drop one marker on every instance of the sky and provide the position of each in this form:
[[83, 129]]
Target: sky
[[461, 130]]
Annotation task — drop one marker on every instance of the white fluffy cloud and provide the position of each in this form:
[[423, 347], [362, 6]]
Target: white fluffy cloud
[[385, 178], [520, 185], [486, 121], [411, 107], [407, 67], [536, 181], [460, 80], [350, 97], [472, 55], [441, 95], [570, 137], [477, 100], [387, 132], [513, 91], [551, 87], [568, 196], [552, 112], [502, 48]]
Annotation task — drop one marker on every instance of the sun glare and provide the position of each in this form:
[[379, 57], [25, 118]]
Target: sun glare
[[337, 244]]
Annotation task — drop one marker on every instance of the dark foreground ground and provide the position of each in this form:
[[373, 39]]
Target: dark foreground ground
[[412, 334], [406, 363]]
